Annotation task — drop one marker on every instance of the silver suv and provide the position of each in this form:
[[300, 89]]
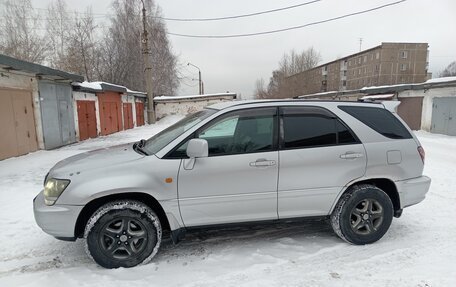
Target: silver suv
[[356, 164]]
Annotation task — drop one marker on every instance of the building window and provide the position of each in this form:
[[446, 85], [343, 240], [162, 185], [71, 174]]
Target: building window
[[345, 73], [359, 71], [350, 63], [365, 70], [403, 67], [404, 54], [344, 83], [376, 68], [377, 55], [372, 56], [359, 60], [365, 58]]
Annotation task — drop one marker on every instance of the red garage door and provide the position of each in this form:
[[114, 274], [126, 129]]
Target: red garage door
[[110, 112], [139, 114], [87, 119], [127, 116]]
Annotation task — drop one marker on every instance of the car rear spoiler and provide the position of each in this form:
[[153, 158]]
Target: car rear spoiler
[[391, 105]]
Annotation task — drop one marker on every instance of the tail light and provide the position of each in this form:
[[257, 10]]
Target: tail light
[[422, 153]]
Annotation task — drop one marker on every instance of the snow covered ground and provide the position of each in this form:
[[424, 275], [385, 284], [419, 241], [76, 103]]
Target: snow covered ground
[[418, 250]]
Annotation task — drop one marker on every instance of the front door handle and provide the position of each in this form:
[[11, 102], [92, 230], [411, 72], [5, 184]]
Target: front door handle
[[351, 155], [262, 162]]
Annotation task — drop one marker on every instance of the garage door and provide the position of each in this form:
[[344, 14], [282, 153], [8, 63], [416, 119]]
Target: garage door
[[444, 116], [57, 114], [110, 112], [139, 114], [127, 116], [87, 121], [410, 111], [17, 123]]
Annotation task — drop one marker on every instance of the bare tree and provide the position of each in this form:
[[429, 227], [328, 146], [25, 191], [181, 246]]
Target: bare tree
[[449, 71], [291, 63], [81, 55], [120, 50], [58, 29], [20, 37], [294, 63], [260, 90]]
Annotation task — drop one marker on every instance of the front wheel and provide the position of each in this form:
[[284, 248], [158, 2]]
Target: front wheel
[[362, 215], [123, 233]]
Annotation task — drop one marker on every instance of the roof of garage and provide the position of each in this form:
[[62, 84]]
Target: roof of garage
[[10, 63], [99, 87]]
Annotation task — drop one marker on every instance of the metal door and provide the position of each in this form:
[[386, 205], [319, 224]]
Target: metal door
[[139, 114], [87, 119], [127, 116], [410, 111], [444, 116], [17, 123], [56, 114]]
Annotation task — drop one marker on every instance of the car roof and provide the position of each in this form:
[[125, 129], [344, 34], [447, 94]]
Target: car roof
[[228, 104]]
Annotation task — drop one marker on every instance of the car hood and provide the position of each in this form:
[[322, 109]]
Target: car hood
[[96, 159]]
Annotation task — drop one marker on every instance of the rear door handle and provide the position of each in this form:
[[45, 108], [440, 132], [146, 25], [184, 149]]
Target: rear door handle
[[351, 155], [262, 162]]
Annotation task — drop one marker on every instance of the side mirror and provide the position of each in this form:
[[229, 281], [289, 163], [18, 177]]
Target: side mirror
[[197, 148]]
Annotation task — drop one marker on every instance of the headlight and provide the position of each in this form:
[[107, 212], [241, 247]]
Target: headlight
[[53, 189]]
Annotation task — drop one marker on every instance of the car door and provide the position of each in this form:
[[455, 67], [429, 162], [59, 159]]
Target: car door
[[318, 155], [237, 182]]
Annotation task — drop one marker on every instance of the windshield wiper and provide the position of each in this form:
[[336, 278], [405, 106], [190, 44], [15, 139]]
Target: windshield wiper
[[138, 147]]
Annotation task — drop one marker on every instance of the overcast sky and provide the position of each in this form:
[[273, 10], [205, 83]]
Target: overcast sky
[[234, 64]]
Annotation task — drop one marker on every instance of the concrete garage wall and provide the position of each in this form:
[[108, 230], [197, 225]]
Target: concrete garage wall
[[428, 99], [22, 81], [183, 105]]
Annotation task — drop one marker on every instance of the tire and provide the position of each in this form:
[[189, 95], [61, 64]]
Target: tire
[[362, 215], [123, 233]]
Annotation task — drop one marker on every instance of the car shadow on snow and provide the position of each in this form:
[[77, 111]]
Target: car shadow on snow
[[201, 242]]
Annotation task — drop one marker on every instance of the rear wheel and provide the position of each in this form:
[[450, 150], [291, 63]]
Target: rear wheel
[[362, 215], [123, 233]]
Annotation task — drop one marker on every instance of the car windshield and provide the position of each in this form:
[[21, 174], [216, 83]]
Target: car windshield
[[163, 138]]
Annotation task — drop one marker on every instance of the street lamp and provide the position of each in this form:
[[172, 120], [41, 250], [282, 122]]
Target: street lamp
[[200, 82]]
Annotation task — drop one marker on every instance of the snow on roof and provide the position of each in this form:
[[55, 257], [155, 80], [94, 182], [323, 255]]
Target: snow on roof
[[375, 97], [101, 86], [135, 92], [441, 80], [166, 98]]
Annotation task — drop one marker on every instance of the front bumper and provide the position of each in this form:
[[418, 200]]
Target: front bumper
[[413, 191], [56, 220]]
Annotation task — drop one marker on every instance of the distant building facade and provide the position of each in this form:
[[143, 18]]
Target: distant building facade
[[386, 64]]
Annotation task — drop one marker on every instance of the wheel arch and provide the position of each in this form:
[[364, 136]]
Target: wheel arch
[[385, 184], [96, 203]]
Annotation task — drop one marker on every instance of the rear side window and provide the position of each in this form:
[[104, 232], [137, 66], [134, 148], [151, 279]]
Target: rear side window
[[305, 127], [380, 120]]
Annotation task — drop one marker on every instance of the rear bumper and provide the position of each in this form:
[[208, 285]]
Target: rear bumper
[[413, 191], [56, 220]]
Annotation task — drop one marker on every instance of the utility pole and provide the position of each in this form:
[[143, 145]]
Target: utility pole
[[200, 82], [147, 69], [360, 43]]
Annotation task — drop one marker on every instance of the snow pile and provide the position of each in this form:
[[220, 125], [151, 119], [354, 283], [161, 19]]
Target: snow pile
[[418, 250]]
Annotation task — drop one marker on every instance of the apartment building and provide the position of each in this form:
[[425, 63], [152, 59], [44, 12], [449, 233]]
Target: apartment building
[[386, 64]]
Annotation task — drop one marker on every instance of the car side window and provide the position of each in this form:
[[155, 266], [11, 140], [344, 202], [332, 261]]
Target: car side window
[[238, 132], [307, 127]]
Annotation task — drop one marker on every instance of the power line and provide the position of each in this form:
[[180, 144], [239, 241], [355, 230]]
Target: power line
[[102, 15], [236, 16], [289, 28]]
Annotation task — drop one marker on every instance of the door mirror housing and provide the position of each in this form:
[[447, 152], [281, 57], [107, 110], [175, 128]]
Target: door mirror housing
[[197, 148]]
